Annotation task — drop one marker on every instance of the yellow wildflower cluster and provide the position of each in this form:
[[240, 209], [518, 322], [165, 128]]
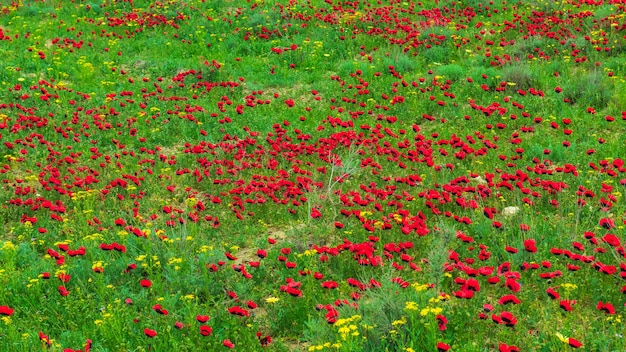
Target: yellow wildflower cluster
[[399, 322], [174, 261], [441, 297], [347, 327], [104, 315], [435, 311], [329, 345], [8, 246], [345, 321], [188, 297], [617, 319], [419, 287], [569, 287], [365, 214], [410, 306]]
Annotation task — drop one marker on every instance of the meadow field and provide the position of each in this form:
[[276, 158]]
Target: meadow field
[[293, 175]]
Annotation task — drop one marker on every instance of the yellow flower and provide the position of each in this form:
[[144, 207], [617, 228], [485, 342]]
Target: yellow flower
[[174, 260], [344, 330], [562, 338], [188, 297], [568, 286], [434, 300], [410, 306], [399, 322], [436, 311], [341, 322], [8, 245], [419, 287], [272, 299]]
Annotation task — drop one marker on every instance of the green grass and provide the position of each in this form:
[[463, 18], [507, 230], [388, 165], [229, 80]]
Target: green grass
[[357, 144]]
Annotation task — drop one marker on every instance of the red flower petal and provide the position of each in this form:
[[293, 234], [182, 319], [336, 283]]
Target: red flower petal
[[149, 332], [4, 310]]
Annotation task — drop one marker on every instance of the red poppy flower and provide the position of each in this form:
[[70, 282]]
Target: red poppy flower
[[233, 295], [228, 343], [574, 343], [606, 307], [493, 280], [202, 318], [512, 285], [65, 278], [566, 305], [442, 347], [552, 293], [467, 294], [510, 249], [236, 310], [503, 347], [530, 245], [485, 270], [44, 338], [611, 239], [149, 332], [264, 340], [329, 284], [375, 283], [509, 299], [5, 310], [145, 283], [442, 321], [206, 330], [130, 267], [508, 318], [157, 308], [63, 291], [178, 325]]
